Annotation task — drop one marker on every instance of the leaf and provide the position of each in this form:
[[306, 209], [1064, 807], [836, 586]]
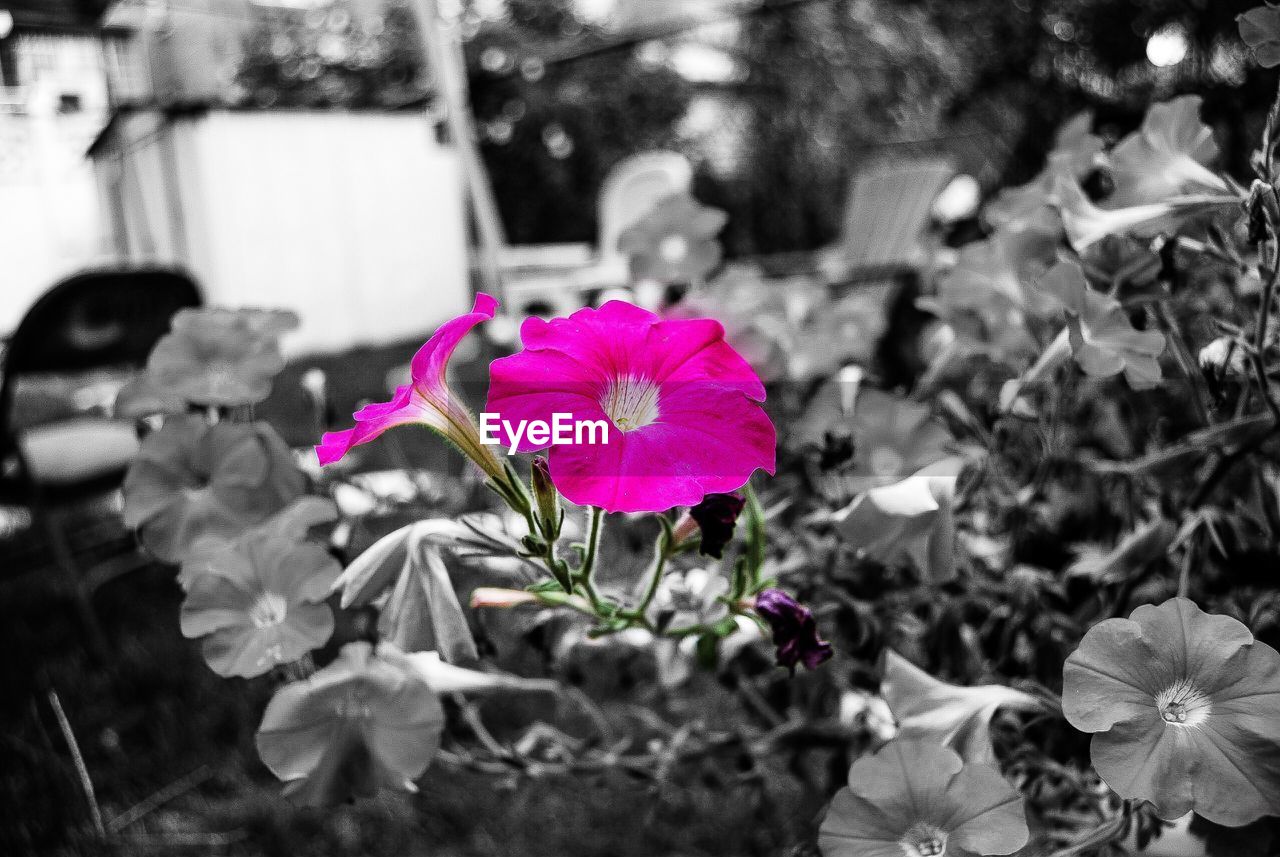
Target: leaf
[[1165, 157], [1260, 30], [1134, 552], [909, 524], [958, 717], [422, 612]]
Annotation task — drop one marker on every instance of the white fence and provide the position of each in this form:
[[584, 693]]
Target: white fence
[[354, 220]]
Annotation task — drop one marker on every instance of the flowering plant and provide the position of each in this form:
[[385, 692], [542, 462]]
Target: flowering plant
[[915, 620]]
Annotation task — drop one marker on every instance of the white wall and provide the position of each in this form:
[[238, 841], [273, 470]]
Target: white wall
[[356, 221], [49, 213]]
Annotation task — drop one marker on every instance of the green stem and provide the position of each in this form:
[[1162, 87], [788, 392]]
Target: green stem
[[661, 550], [586, 574]]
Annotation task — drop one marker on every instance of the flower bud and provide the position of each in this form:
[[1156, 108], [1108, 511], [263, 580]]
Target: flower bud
[[492, 596], [546, 500]]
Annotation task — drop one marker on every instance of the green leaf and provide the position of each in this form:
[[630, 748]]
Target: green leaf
[[1260, 30]]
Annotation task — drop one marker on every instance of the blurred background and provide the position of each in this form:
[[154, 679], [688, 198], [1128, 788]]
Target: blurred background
[[370, 165], [282, 151]]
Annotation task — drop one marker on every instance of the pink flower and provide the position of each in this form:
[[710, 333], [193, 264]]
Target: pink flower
[[681, 407], [426, 401]]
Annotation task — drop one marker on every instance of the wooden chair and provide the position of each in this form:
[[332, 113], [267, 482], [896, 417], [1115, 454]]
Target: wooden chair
[[95, 319], [887, 214]]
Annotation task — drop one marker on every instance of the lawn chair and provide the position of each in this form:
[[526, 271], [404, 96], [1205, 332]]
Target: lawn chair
[[887, 215], [629, 192], [92, 320]]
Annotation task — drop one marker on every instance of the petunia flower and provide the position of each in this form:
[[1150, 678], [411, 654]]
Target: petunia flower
[[675, 242], [214, 356], [795, 632], [915, 799], [404, 572], [692, 597], [1183, 706], [191, 480], [427, 400], [680, 408], [957, 717], [1102, 339], [366, 721], [259, 603], [910, 523], [892, 436], [1165, 157]]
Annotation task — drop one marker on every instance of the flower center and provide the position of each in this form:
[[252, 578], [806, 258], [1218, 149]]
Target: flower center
[[631, 402], [268, 611], [673, 248], [924, 840], [1183, 705], [354, 705]]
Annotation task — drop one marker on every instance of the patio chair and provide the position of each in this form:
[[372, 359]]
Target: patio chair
[[95, 319], [629, 192], [887, 213]]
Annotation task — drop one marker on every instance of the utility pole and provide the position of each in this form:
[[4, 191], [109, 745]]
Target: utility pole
[[444, 55]]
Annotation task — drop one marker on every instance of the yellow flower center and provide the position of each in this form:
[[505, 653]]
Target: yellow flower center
[[924, 840], [1183, 705], [673, 248], [268, 611], [631, 402]]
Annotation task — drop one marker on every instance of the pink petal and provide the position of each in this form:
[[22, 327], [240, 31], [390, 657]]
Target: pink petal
[[419, 403], [429, 363], [708, 440], [371, 421]]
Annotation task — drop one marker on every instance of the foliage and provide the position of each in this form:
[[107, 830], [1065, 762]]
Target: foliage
[[958, 552]]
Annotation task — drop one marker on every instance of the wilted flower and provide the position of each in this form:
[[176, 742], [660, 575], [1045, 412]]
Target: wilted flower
[[405, 573], [367, 721], [692, 597], [675, 241], [223, 357], [920, 800], [716, 517], [191, 480], [426, 401], [1184, 707], [258, 603], [795, 632], [681, 408], [957, 717]]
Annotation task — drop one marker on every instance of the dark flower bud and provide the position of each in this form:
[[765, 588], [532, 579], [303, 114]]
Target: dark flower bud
[[546, 500], [716, 517], [795, 633]]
